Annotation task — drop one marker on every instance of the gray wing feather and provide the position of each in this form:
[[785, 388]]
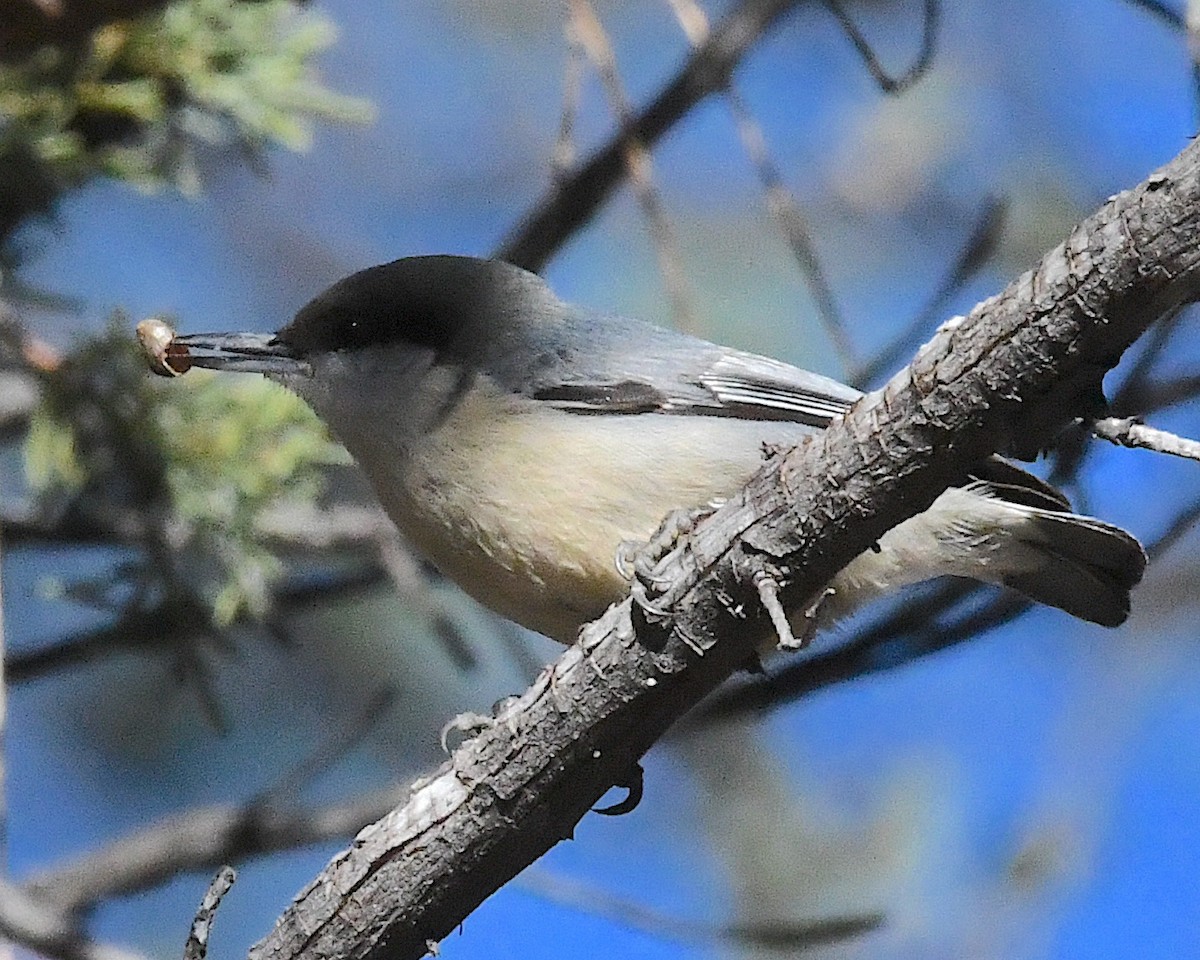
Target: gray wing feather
[[706, 381], [763, 388], [623, 367]]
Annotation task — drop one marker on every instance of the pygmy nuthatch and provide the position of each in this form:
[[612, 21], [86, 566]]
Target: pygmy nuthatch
[[517, 440]]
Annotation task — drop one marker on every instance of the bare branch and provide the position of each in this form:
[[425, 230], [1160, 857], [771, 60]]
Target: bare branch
[[887, 83], [201, 839], [1129, 432], [573, 201], [588, 32], [196, 947], [32, 923], [1008, 376]]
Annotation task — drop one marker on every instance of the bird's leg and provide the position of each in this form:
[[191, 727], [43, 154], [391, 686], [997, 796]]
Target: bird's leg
[[471, 724], [640, 563], [638, 560], [635, 783]]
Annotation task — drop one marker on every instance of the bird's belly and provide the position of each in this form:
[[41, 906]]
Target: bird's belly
[[526, 512]]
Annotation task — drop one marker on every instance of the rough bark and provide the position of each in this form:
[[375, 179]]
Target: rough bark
[[1005, 378]]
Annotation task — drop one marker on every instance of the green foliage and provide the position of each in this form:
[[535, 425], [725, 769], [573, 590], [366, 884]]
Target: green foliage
[[234, 448], [184, 468], [135, 101], [50, 461]]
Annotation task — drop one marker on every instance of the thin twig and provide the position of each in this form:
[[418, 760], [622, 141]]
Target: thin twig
[[1131, 396], [886, 82], [584, 27], [1129, 432], [573, 201], [563, 154], [196, 947], [781, 935], [781, 204]]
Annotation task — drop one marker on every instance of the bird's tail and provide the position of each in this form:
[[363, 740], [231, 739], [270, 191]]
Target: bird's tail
[[1019, 534], [1081, 565]]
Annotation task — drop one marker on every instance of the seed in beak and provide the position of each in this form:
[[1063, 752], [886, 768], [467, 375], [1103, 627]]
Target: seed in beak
[[165, 356]]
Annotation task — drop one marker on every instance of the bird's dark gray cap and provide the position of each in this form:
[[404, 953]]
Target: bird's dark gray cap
[[420, 301]]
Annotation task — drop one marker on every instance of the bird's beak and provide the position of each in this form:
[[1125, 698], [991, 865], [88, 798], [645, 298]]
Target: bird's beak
[[242, 353], [172, 355]]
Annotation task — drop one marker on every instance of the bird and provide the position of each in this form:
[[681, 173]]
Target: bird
[[519, 441]]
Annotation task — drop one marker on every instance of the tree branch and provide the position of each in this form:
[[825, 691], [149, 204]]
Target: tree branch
[[574, 200], [1006, 377], [1129, 432], [26, 920], [201, 839]]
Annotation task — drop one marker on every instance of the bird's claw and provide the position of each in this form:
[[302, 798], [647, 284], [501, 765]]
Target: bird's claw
[[635, 783], [471, 724], [641, 596], [640, 563], [626, 558]]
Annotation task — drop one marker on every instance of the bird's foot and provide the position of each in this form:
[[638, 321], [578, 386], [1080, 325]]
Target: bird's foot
[[641, 563], [768, 582], [634, 782], [470, 724]]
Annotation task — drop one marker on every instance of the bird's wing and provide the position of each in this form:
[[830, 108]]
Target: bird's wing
[[744, 385], [760, 388], [727, 384]]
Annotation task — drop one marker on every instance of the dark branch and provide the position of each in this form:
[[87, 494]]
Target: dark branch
[[573, 201], [201, 839], [887, 83], [1008, 376]]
